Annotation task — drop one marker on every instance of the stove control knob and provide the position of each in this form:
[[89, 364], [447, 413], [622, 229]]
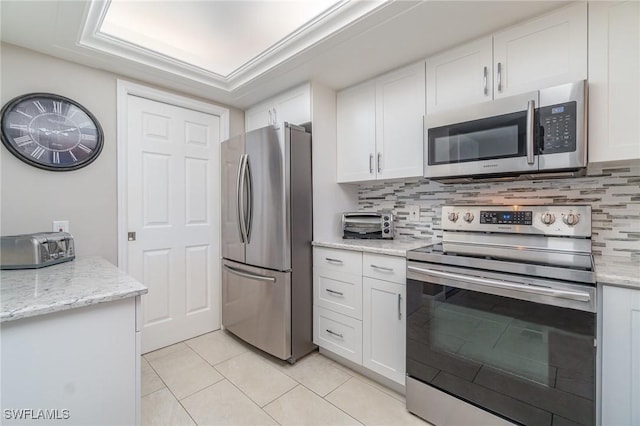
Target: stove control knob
[[548, 218], [468, 217], [453, 217], [571, 219]]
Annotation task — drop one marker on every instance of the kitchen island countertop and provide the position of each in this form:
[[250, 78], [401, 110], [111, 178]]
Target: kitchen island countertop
[[618, 271], [81, 282], [395, 247]]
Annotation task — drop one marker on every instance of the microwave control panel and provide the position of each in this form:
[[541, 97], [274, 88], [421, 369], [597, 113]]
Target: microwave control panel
[[557, 128]]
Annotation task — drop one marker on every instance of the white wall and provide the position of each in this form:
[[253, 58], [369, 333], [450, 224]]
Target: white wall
[[32, 198], [329, 198]]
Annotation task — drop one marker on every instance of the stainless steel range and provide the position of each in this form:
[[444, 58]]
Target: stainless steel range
[[501, 318]]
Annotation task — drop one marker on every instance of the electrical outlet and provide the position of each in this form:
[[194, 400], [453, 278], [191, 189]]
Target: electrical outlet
[[60, 226], [414, 213]]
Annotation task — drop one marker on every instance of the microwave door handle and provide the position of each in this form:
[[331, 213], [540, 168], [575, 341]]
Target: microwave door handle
[[531, 108]]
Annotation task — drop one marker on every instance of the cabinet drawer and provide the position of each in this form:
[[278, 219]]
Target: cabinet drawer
[[346, 261], [338, 333], [388, 268], [338, 292]]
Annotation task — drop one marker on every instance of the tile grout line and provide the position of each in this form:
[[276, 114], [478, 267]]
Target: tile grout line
[[171, 392]]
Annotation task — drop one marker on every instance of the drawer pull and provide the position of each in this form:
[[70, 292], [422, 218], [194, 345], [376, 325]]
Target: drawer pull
[[338, 261], [333, 333], [399, 306], [337, 293], [382, 268]]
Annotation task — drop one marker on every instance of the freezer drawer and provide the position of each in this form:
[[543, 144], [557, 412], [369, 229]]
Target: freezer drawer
[[256, 306]]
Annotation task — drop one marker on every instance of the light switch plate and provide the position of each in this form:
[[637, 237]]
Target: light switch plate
[[414, 213], [60, 226]]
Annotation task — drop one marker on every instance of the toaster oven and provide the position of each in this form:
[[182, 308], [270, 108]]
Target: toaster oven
[[367, 225], [37, 250]]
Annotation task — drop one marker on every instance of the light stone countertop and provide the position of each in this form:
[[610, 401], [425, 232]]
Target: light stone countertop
[[395, 247], [81, 282], [617, 271]]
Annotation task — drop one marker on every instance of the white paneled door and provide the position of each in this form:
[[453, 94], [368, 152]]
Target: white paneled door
[[173, 208]]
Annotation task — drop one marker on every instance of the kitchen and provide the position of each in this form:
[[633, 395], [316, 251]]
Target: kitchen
[[89, 198]]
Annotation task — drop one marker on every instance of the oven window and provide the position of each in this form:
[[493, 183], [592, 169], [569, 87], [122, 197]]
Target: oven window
[[528, 362], [486, 139]]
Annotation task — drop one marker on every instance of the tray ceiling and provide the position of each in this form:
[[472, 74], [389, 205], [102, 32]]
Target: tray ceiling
[[240, 52]]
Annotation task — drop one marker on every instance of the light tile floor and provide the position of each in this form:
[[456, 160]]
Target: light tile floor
[[216, 379]]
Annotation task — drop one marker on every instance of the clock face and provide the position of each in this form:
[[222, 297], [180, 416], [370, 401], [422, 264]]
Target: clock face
[[51, 132]]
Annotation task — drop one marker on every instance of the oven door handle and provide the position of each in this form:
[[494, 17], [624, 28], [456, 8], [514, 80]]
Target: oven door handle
[[542, 291]]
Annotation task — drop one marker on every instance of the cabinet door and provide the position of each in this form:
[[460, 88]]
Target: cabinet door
[[614, 85], [356, 138], [540, 53], [400, 101], [293, 106], [258, 116], [620, 356], [460, 76], [383, 328]]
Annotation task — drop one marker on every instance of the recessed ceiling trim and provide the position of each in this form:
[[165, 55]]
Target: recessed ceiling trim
[[338, 17]]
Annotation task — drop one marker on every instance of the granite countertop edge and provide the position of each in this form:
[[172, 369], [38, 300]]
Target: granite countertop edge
[[617, 271], [82, 282], [396, 247]]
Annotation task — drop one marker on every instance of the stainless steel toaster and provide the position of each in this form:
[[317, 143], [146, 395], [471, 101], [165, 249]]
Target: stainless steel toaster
[[37, 250], [367, 225]]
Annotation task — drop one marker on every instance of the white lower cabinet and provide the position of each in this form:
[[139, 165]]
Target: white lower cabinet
[[383, 328], [359, 309], [338, 333], [620, 356], [81, 366]]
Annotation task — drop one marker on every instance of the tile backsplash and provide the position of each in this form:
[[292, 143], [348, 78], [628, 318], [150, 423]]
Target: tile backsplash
[[612, 189]]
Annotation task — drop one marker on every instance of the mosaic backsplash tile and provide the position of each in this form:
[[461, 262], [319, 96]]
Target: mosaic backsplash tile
[[612, 189]]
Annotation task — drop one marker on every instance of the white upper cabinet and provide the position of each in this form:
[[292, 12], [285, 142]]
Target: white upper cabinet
[[293, 106], [380, 127], [400, 107], [614, 80], [460, 76], [356, 137], [543, 52]]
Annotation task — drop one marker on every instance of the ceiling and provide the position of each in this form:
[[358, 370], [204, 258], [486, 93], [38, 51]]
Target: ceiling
[[349, 42]]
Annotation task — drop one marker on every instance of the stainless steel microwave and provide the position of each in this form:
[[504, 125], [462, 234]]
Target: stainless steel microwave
[[542, 131]]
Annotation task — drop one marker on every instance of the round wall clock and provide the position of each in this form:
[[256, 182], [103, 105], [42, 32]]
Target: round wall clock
[[50, 132]]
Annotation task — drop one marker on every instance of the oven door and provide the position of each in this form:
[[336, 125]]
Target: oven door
[[489, 138], [520, 348]]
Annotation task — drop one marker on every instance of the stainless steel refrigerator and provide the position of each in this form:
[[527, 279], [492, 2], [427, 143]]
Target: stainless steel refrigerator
[[267, 294]]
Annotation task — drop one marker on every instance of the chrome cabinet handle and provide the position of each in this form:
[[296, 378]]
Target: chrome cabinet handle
[[399, 306], [382, 268], [499, 77], [328, 259], [334, 333], [379, 162], [484, 79], [275, 116], [371, 163], [270, 117], [543, 291], [337, 293], [531, 108], [249, 275]]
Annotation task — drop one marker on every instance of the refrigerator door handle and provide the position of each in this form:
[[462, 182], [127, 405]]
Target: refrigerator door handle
[[248, 275], [239, 197], [249, 216]]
